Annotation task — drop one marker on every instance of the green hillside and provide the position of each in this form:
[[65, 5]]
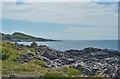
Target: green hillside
[[20, 37]]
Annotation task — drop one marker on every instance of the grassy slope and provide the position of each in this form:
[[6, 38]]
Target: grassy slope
[[21, 37], [31, 68], [9, 66]]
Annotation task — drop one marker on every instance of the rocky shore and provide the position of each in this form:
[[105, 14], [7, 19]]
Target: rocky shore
[[90, 61]]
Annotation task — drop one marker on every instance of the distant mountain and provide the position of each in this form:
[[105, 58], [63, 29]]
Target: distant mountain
[[20, 37]]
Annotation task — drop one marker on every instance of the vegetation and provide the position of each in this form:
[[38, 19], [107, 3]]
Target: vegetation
[[71, 71], [63, 72], [10, 52], [5, 53], [18, 37], [54, 74], [40, 63], [32, 49]]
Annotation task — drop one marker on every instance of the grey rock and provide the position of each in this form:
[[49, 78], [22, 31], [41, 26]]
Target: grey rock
[[34, 45], [13, 76]]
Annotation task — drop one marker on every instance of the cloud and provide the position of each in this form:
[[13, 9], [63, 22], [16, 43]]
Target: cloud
[[57, 0], [101, 19], [60, 0], [84, 33], [63, 13], [8, 0]]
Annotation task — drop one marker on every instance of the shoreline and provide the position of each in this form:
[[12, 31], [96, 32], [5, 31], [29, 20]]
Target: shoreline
[[72, 57], [89, 61], [69, 42]]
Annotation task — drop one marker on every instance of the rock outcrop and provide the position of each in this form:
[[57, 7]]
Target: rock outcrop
[[90, 61], [34, 45]]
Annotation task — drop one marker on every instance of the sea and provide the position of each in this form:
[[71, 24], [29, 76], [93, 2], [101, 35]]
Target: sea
[[78, 44]]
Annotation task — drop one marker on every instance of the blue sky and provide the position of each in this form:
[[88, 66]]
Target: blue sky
[[70, 21]]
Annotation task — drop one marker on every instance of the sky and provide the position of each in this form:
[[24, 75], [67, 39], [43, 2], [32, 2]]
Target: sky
[[62, 20]]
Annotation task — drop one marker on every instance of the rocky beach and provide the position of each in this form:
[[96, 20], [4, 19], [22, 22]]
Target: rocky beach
[[90, 61]]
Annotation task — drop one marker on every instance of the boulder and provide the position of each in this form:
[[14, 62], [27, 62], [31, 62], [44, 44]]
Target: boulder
[[45, 59], [30, 54], [89, 50], [84, 70], [34, 45], [13, 76], [73, 52], [49, 55], [26, 58], [117, 74], [68, 61]]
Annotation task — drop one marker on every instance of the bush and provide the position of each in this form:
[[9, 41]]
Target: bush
[[40, 63], [5, 53], [9, 45], [32, 49]]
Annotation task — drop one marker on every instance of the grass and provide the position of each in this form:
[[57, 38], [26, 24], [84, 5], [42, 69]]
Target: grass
[[0, 63], [11, 52], [40, 63], [32, 49], [63, 72], [71, 71], [54, 74], [13, 67], [100, 75]]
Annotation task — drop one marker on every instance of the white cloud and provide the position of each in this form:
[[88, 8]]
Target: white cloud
[[101, 19], [84, 33], [57, 0], [8, 0], [60, 0], [105, 0], [63, 13]]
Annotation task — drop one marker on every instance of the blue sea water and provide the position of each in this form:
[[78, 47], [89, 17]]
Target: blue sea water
[[78, 44]]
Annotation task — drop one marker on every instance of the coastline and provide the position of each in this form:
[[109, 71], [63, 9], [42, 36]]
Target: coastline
[[89, 61], [78, 45]]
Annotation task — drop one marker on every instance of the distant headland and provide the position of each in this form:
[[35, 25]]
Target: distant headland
[[20, 37]]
